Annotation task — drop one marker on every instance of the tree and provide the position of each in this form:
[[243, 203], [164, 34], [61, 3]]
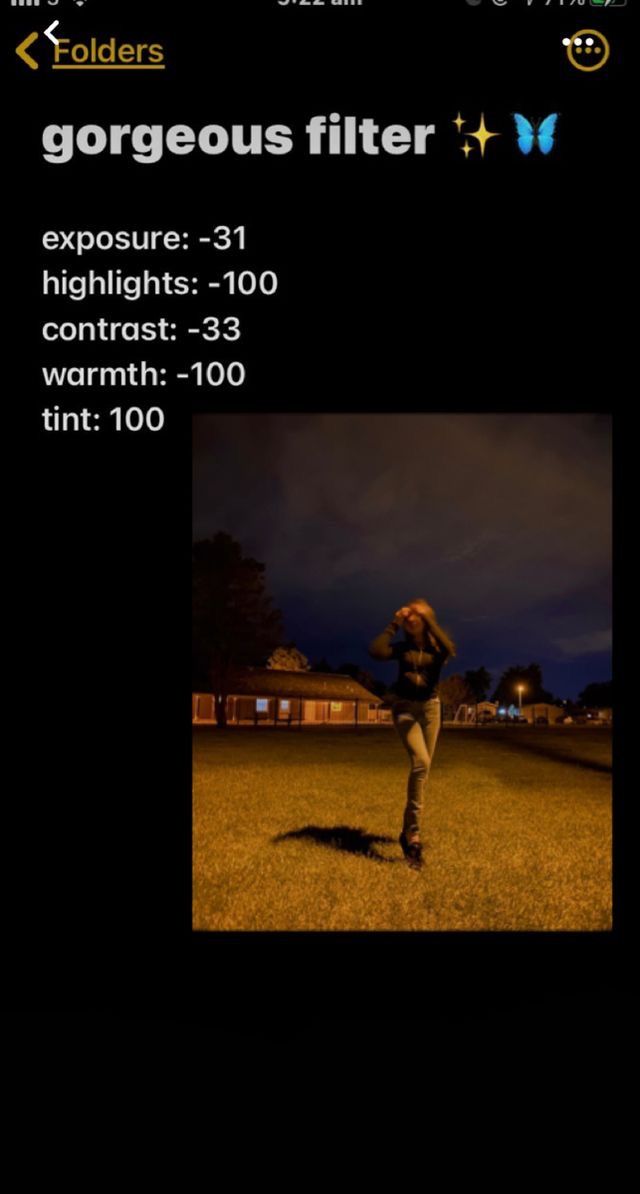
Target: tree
[[234, 623], [597, 696], [288, 659], [321, 665], [453, 692], [359, 674], [479, 682], [530, 678]]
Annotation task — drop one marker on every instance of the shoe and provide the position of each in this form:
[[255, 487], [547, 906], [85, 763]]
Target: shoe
[[412, 852], [414, 856]]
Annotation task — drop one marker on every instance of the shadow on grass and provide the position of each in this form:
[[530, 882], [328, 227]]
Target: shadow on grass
[[546, 752], [340, 837]]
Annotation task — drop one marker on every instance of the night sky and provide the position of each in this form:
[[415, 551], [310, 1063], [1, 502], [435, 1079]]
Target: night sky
[[503, 523]]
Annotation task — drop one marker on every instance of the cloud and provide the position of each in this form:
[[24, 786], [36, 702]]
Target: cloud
[[472, 547], [585, 644], [496, 516]]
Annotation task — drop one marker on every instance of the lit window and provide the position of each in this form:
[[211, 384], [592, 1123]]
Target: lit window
[[262, 705], [336, 706], [284, 705]]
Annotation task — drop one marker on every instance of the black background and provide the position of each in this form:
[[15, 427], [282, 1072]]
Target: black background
[[407, 283]]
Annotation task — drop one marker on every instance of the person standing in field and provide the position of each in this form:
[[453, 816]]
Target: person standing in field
[[416, 711]]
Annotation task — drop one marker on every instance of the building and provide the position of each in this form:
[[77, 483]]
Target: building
[[266, 695], [542, 713], [484, 711], [593, 717]]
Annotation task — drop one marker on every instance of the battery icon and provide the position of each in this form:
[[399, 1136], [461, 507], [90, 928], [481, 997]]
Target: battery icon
[[608, 3]]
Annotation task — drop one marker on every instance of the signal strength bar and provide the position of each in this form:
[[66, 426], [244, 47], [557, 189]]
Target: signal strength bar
[[25, 3]]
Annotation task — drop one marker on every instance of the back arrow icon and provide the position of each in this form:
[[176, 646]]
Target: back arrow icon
[[21, 51], [48, 32]]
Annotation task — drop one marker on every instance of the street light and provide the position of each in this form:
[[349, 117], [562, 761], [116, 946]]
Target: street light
[[520, 686]]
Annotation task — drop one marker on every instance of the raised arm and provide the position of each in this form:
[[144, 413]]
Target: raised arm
[[447, 644], [380, 647]]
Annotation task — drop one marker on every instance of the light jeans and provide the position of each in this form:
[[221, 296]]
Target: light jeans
[[418, 724]]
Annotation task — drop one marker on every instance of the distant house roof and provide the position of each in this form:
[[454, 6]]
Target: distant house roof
[[542, 705], [481, 705], [319, 686]]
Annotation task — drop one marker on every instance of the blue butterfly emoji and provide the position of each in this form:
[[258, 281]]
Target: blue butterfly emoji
[[540, 134]]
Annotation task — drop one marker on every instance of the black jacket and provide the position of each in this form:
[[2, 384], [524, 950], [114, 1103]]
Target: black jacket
[[419, 669]]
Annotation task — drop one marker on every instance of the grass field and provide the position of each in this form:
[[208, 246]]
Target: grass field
[[297, 830]]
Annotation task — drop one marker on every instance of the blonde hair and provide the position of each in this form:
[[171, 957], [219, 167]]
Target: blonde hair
[[424, 604], [421, 607]]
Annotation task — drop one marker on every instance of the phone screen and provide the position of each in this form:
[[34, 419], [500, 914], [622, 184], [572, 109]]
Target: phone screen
[[312, 322]]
